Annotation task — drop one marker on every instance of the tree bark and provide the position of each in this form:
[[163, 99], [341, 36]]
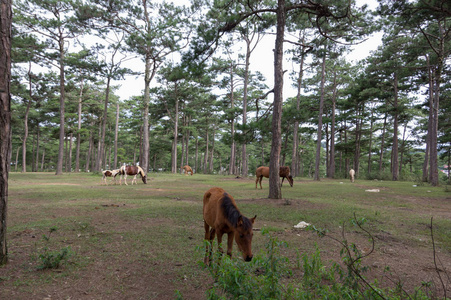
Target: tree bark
[[381, 155], [425, 176], [5, 120], [37, 147], [232, 126], [320, 118], [116, 131], [294, 153], [331, 169], [274, 186], [59, 165], [395, 154], [77, 153]]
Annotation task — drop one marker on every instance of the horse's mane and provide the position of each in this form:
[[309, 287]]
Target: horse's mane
[[232, 213], [141, 171]]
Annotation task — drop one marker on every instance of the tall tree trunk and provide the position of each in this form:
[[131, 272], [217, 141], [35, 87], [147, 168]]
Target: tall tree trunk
[[320, 118], [274, 186], [395, 154], [370, 146], [25, 135], [42, 160], [249, 50], [206, 151], [69, 164], [331, 170], [77, 153], [402, 148], [212, 151], [5, 120], [425, 176], [187, 140], [294, 153], [116, 131], [358, 137], [196, 163], [176, 133], [37, 147], [33, 153], [232, 126], [381, 155], [59, 165], [17, 158], [147, 78], [433, 158], [91, 146]]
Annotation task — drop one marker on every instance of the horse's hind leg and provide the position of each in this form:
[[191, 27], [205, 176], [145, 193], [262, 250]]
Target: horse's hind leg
[[260, 180]]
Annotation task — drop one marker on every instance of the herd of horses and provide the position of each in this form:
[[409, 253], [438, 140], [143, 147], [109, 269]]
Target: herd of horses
[[220, 212]]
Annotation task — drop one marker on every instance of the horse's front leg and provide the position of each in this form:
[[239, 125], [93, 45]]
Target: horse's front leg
[[229, 244], [219, 234], [125, 179], [283, 178], [209, 236]]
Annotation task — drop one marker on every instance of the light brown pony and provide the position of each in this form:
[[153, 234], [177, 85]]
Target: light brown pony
[[284, 172], [187, 170], [223, 216], [132, 170], [351, 174]]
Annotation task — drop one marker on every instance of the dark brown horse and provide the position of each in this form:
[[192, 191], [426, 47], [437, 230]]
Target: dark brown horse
[[132, 170], [223, 216], [187, 170], [284, 172]]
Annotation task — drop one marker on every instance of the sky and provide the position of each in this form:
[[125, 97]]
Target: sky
[[262, 60]]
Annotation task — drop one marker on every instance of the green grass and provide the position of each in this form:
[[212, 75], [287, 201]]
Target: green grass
[[160, 224]]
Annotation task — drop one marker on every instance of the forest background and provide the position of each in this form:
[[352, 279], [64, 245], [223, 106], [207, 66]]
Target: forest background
[[386, 116]]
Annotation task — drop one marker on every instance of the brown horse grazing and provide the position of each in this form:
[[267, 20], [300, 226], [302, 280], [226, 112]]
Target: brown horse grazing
[[284, 172], [223, 216], [132, 170], [187, 170]]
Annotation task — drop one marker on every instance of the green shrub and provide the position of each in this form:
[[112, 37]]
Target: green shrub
[[52, 259], [269, 276]]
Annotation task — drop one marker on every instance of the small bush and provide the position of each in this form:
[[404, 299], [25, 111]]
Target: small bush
[[52, 259]]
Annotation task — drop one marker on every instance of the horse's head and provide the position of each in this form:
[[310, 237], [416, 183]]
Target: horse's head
[[290, 180], [243, 236], [144, 178]]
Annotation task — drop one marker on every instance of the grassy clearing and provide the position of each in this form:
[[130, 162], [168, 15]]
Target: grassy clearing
[[136, 239]]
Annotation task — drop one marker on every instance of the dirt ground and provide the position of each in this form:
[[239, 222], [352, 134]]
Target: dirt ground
[[131, 278]]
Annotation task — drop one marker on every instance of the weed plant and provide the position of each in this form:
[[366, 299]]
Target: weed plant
[[270, 276], [52, 259]]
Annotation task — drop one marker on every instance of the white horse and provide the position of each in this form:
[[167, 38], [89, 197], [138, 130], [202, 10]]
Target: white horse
[[352, 173]]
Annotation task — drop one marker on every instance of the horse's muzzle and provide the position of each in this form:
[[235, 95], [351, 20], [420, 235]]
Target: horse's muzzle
[[248, 258]]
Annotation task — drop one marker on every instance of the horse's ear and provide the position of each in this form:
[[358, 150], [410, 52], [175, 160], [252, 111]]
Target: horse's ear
[[240, 221], [253, 219]]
